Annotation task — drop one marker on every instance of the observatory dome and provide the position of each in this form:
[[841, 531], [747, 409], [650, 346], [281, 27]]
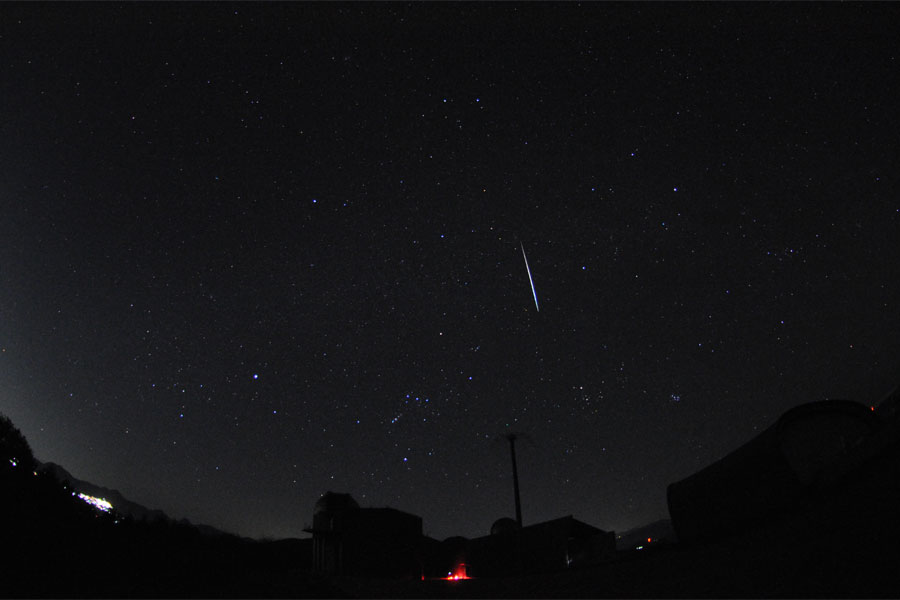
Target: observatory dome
[[333, 502], [504, 526]]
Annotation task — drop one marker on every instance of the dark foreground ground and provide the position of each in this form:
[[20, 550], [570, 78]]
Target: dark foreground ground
[[845, 544]]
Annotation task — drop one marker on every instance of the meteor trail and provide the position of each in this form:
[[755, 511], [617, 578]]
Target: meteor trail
[[530, 280]]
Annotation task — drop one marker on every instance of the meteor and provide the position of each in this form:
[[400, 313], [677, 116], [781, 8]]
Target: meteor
[[530, 280]]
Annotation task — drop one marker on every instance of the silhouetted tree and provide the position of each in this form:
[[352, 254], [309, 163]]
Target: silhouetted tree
[[14, 449]]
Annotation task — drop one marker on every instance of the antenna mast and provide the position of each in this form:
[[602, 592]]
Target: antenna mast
[[512, 448]]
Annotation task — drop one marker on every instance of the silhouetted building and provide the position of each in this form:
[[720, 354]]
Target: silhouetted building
[[385, 542], [780, 470], [376, 542], [540, 548], [889, 407], [504, 526]]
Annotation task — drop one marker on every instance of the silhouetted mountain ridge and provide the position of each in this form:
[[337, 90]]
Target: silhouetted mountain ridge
[[657, 531], [122, 505], [60, 547], [838, 540]]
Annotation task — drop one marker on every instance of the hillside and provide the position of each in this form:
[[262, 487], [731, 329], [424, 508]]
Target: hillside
[[841, 544], [92, 553], [123, 506]]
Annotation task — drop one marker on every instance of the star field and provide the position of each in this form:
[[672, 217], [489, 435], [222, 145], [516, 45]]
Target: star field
[[250, 253]]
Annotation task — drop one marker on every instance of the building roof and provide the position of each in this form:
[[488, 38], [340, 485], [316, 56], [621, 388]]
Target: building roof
[[775, 471], [333, 502]]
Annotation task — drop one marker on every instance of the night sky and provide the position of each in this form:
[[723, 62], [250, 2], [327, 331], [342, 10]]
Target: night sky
[[250, 253]]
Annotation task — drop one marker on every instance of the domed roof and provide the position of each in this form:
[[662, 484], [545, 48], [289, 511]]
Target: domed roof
[[504, 526], [333, 502]]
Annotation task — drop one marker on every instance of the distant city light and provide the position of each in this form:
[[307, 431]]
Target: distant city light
[[99, 503]]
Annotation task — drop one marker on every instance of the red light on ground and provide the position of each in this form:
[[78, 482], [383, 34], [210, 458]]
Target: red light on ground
[[457, 574]]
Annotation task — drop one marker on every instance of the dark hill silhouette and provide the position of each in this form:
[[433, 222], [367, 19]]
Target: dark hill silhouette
[[840, 541], [14, 448], [122, 505], [56, 545]]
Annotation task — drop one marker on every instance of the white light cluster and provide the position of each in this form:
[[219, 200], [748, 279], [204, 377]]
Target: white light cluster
[[100, 503]]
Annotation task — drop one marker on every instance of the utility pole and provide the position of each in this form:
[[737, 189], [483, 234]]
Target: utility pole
[[512, 448]]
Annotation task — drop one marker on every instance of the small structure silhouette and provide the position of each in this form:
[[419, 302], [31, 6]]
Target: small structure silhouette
[[376, 542], [545, 547], [385, 542], [504, 526]]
